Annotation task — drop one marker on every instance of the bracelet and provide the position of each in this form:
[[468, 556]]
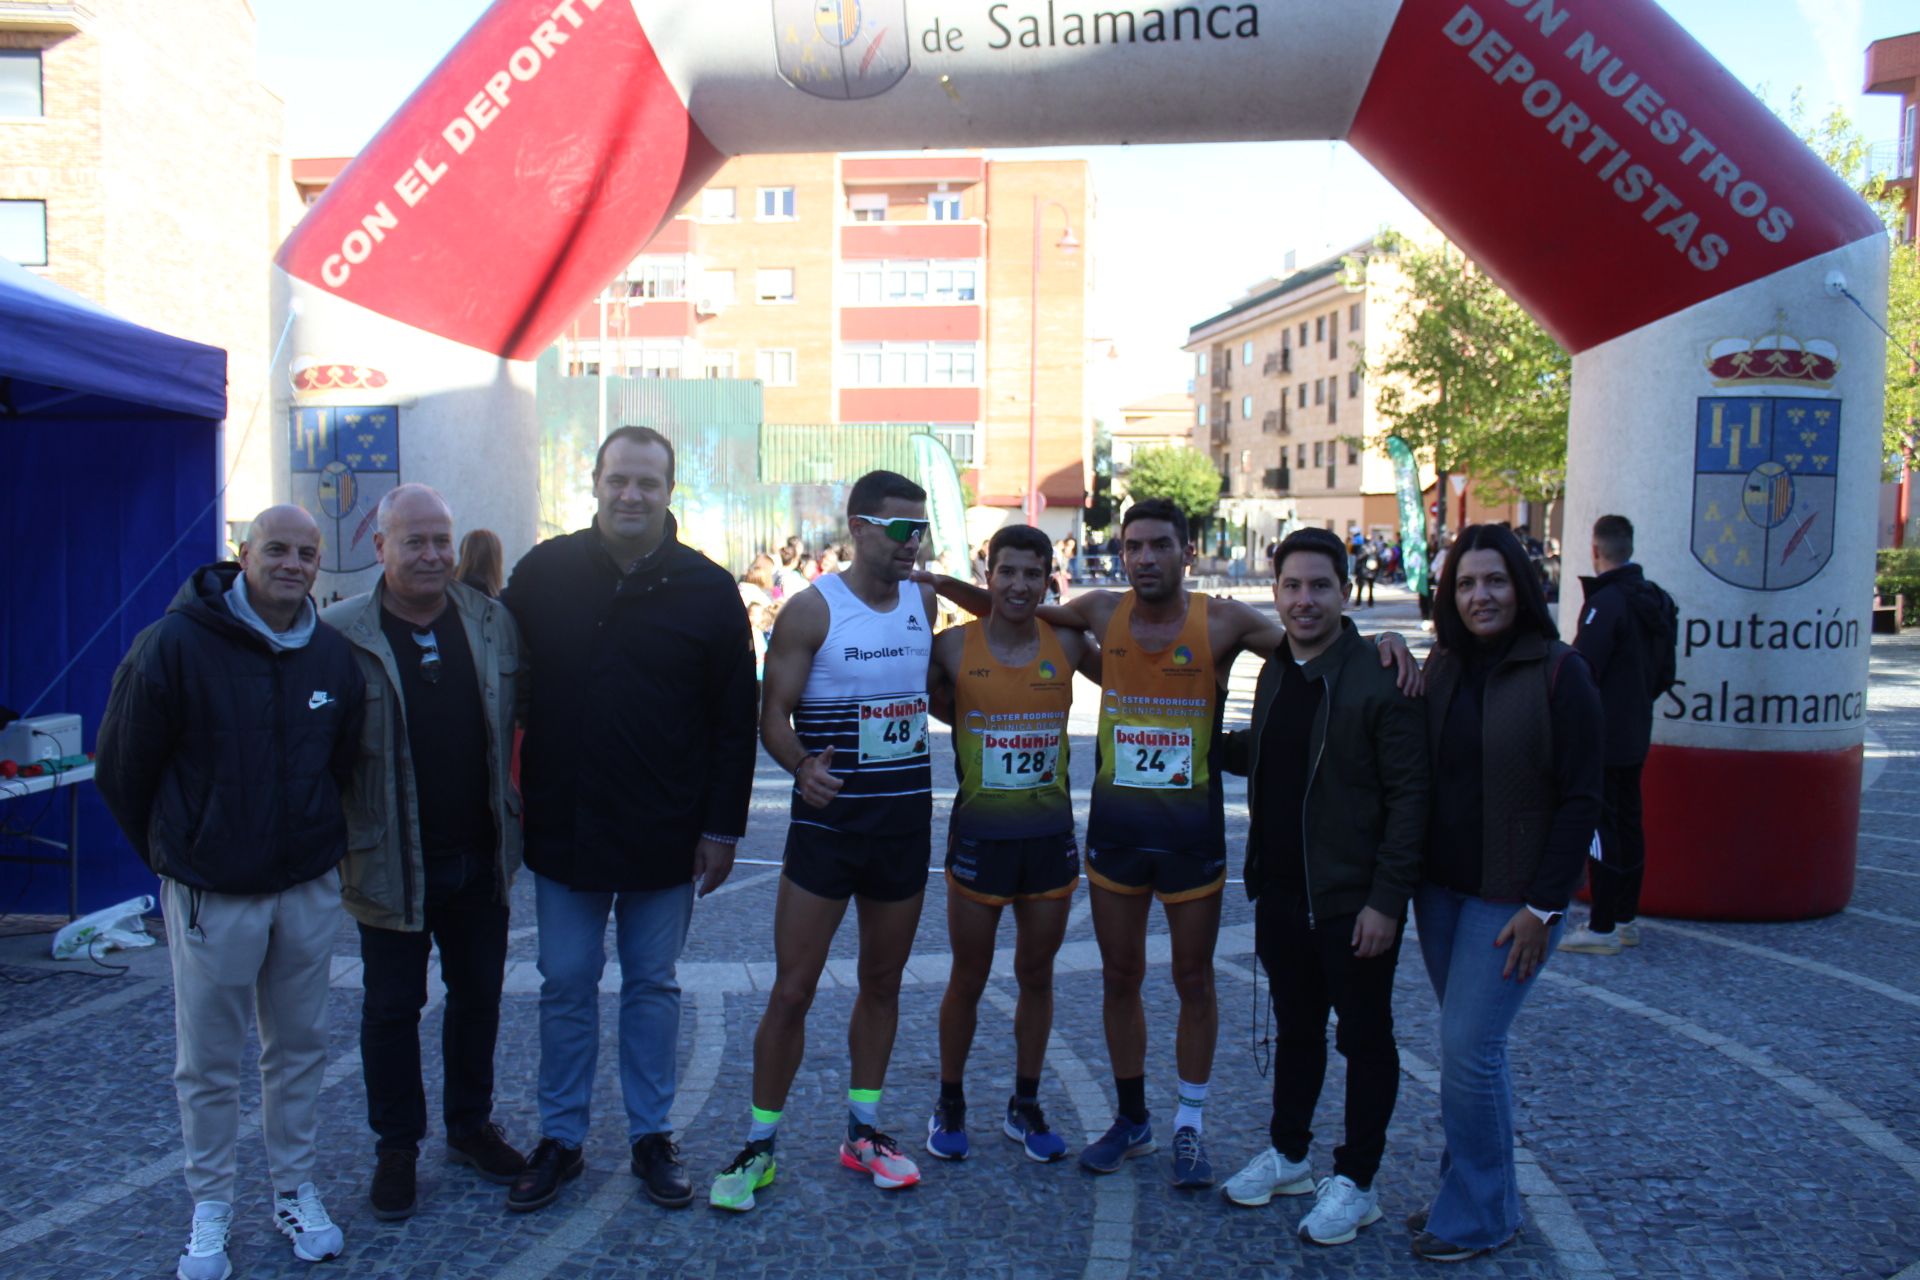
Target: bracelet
[[726, 840], [795, 771]]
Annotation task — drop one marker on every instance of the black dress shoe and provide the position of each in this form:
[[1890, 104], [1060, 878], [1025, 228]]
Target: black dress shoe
[[551, 1164], [392, 1190], [490, 1154], [656, 1162]]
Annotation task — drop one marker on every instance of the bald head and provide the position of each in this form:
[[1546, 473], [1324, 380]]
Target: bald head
[[411, 500], [414, 545], [280, 559]]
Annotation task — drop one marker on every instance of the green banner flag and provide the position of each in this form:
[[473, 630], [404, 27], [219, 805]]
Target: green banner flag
[[1413, 517], [946, 506]]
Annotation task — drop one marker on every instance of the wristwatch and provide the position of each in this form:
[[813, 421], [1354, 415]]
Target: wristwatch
[[1547, 918]]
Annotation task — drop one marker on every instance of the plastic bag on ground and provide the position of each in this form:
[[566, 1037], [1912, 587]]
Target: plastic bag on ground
[[103, 930]]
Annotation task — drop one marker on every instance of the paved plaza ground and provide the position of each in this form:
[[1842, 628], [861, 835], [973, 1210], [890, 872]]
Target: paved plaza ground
[[1724, 1101]]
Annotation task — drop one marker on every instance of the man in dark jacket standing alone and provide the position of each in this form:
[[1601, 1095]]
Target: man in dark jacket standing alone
[[227, 740], [637, 770], [1336, 762], [1614, 642]]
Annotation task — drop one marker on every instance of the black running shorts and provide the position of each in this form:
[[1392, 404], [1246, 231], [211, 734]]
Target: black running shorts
[[1170, 876], [834, 864], [998, 871]]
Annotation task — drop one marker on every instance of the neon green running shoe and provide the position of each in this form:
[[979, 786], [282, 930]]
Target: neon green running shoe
[[752, 1170]]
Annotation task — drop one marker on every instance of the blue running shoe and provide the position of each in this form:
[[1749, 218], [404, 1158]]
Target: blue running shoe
[[1118, 1145], [947, 1131], [1027, 1125], [1191, 1168]]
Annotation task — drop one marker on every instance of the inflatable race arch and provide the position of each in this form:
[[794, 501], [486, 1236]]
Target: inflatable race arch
[[1589, 154]]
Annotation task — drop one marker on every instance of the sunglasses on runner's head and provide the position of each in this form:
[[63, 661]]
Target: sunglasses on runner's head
[[429, 655], [899, 529]]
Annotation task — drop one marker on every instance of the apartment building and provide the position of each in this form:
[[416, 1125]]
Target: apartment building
[[1893, 67], [1284, 411], [880, 289], [140, 167], [1157, 422]]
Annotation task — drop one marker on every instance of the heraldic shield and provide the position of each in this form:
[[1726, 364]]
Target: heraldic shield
[[344, 460], [842, 49], [1764, 482]]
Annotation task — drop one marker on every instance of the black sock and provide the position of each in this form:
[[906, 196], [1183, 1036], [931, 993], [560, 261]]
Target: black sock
[[1026, 1088], [1133, 1098], [952, 1093]]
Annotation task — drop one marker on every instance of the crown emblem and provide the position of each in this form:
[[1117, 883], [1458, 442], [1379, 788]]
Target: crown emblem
[[1773, 357], [310, 375]]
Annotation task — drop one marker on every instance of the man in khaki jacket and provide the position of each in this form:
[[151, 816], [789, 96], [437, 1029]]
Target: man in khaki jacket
[[433, 838]]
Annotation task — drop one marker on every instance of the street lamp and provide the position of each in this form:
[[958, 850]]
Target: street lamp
[[1066, 244]]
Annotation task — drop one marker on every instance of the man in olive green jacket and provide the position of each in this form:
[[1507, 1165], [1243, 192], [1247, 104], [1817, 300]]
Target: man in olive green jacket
[[1336, 763], [433, 838]]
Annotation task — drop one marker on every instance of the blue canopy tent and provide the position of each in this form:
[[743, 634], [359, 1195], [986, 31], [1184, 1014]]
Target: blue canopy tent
[[110, 460]]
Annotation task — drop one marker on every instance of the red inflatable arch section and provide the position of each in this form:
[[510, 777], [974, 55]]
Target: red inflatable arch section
[[1590, 154]]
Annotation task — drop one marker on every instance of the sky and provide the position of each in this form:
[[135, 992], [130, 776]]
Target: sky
[[1213, 219]]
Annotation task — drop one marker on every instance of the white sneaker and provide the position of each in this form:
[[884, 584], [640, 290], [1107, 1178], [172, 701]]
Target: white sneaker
[[1340, 1209], [205, 1254], [1267, 1175], [1588, 943], [303, 1219], [1628, 933]]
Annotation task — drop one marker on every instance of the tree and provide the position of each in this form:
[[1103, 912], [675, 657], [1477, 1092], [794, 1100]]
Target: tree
[[1837, 140], [1470, 378], [1183, 476]]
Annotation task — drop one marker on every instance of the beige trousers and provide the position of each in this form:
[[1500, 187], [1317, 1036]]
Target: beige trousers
[[268, 957]]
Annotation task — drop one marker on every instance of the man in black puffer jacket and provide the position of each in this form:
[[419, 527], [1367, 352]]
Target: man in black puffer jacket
[[231, 729]]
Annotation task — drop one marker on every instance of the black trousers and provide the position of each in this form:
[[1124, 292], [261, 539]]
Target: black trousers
[[1313, 972], [470, 928], [1615, 880]]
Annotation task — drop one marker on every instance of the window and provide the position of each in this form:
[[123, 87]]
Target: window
[[1286, 339], [1333, 401], [944, 207], [1300, 456], [654, 278], [1303, 333], [718, 364], [717, 287], [1200, 363], [1246, 408], [1226, 413], [1200, 414], [774, 366], [1317, 458], [1246, 354], [23, 231], [869, 207], [1333, 335], [1353, 384], [909, 364], [910, 283], [720, 204], [1320, 329], [1353, 454], [20, 83], [962, 440], [773, 284], [1319, 390], [1226, 358], [1353, 318], [1303, 395], [776, 204]]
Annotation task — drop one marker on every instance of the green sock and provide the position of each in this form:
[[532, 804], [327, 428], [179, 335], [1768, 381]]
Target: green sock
[[765, 1124], [863, 1107]]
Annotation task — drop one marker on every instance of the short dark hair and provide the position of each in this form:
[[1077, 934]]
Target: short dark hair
[[1019, 537], [1530, 601], [637, 435], [875, 487], [1157, 509], [1320, 542], [1613, 535]]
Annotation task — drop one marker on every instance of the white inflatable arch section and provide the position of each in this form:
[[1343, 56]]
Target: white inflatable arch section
[[1589, 153]]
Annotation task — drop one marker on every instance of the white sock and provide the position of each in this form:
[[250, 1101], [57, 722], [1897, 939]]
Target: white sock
[[1192, 1098]]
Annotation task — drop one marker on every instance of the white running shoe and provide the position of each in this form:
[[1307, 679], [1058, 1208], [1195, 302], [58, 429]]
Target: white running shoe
[[1340, 1209], [1267, 1175], [205, 1254], [303, 1219], [1584, 941], [1628, 932]]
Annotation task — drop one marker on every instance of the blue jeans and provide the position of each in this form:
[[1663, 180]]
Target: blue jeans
[[650, 928], [1478, 1204]]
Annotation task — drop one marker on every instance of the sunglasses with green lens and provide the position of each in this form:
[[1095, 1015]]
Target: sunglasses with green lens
[[900, 529]]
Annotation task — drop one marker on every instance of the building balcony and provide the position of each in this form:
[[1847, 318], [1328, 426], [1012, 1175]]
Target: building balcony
[[914, 240], [1222, 379], [1220, 433], [1277, 363], [1274, 423], [1278, 480]]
